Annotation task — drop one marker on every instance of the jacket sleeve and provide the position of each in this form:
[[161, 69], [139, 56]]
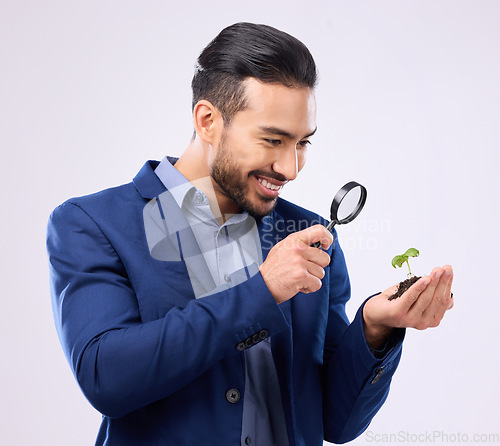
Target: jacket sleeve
[[121, 363], [356, 383]]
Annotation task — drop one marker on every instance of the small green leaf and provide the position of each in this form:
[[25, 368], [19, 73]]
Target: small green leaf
[[399, 260], [412, 252]]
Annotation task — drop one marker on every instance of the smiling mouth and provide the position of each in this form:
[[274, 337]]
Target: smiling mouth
[[269, 187]]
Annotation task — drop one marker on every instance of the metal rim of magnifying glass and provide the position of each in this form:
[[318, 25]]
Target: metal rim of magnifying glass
[[340, 195]]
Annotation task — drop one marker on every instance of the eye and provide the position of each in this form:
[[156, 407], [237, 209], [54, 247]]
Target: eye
[[273, 142], [304, 143]]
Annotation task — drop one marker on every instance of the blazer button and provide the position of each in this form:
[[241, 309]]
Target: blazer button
[[241, 346], [233, 396], [263, 334], [256, 338], [248, 342]]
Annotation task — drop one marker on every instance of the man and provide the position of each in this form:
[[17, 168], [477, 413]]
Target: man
[[190, 303]]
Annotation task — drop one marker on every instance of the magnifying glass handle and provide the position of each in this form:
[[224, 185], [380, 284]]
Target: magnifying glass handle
[[328, 228]]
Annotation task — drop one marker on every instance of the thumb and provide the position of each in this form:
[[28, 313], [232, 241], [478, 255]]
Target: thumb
[[316, 233], [411, 295]]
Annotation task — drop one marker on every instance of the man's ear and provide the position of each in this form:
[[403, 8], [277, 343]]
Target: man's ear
[[208, 121]]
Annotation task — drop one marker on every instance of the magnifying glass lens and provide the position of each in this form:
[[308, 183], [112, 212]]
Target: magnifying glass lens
[[346, 205], [349, 204]]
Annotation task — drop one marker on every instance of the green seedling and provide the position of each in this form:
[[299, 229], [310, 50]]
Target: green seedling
[[399, 260]]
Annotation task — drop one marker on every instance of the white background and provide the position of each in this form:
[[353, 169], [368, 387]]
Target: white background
[[408, 105]]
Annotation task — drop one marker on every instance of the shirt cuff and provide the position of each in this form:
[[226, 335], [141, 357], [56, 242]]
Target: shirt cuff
[[394, 339]]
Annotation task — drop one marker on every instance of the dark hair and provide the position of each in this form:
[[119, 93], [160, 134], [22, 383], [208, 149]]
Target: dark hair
[[246, 50]]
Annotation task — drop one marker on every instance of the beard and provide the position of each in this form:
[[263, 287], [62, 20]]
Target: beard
[[228, 175]]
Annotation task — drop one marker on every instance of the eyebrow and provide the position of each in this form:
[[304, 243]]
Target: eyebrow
[[281, 132]]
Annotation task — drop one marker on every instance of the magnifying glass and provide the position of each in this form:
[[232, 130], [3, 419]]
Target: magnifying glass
[[346, 205]]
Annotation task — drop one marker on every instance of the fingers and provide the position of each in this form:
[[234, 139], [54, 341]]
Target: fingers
[[442, 300], [300, 243], [315, 270], [443, 289], [411, 296], [316, 233], [448, 294], [308, 277], [426, 296], [429, 299], [317, 256]]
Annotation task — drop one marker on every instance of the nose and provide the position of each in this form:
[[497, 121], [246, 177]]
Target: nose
[[287, 164]]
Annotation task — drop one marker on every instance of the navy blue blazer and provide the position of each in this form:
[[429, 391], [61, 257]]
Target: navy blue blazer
[[165, 368]]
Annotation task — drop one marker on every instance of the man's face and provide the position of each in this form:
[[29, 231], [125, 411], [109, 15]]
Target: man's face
[[264, 146]]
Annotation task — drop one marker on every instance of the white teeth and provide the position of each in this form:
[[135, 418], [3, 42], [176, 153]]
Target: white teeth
[[268, 184]]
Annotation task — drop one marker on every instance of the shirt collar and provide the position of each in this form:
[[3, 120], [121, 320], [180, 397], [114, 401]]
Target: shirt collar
[[168, 174], [176, 183]]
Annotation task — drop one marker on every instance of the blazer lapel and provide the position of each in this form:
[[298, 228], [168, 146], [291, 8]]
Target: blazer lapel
[[147, 182]]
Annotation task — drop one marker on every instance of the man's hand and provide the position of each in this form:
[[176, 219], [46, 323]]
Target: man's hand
[[294, 266], [422, 306]]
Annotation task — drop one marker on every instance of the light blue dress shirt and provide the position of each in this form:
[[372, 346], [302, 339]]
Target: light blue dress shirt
[[227, 248]]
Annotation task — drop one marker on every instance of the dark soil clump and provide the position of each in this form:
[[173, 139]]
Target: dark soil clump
[[403, 286]]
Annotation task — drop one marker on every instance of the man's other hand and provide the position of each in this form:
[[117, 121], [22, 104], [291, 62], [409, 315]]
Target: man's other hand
[[422, 306]]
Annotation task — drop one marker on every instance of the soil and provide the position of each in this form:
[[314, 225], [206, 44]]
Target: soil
[[403, 286]]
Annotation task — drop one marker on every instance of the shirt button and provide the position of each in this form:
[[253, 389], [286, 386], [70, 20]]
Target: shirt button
[[198, 198], [227, 277], [233, 396], [248, 441]]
